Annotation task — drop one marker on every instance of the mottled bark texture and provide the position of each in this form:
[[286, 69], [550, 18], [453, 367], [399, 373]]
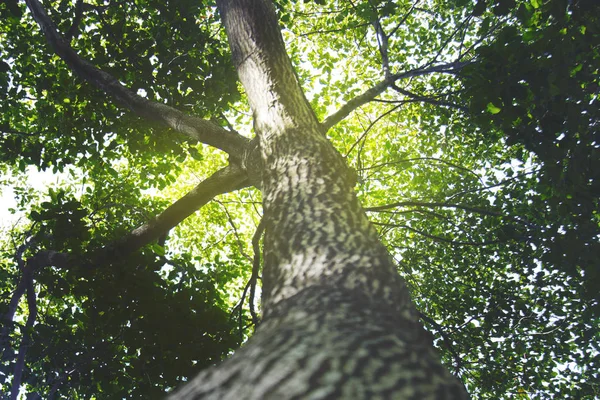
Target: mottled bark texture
[[337, 318]]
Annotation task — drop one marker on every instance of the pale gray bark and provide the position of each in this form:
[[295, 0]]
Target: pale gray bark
[[337, 318]]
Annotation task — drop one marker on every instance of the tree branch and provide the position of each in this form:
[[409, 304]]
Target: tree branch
[[196, 128], [382, 42], [7, 318], [223, 181], [74, 29], [334, 30], [426, 99], [440, 160], [404, 18], [354, 103], [434, 205], [439, 238], [255, 268], [447, 341], [239, 240], [251, 284], [371, 125], [26, 271], [370, 94], [32, 307]]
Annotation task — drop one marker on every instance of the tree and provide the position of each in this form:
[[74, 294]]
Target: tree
[[337, 320]]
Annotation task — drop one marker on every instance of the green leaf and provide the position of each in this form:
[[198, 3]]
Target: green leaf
[[492, 109], [157, 249]]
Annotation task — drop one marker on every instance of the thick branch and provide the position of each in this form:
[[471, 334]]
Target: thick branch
[[382, 41], [225, 180], [196, 128], [74, 29], [20, 364], [354, 103], [370, 94], [7, 318]]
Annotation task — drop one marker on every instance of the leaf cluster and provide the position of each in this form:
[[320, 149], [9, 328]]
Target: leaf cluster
[[537, 84]]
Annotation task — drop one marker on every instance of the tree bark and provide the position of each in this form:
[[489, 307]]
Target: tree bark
[[337, 318]]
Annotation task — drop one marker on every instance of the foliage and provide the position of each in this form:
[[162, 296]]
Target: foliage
[[482, 184], [123, 331], [538, 83]]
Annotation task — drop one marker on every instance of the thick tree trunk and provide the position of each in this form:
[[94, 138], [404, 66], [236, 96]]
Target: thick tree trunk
[[337, 318]]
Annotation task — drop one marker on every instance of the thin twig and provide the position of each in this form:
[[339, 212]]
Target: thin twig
[[239, 240]]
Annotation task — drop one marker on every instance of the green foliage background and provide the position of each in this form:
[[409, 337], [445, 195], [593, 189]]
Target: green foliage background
[[483, 184]]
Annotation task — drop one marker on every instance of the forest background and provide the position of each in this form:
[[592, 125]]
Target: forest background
[[472, 128]]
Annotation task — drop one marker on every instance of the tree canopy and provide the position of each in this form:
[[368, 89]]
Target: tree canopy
[[470, 128]]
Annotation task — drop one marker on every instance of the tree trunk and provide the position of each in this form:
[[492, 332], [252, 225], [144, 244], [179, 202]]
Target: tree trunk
[[337, 318]]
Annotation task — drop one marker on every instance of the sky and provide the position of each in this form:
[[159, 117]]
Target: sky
[[38, 180]]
